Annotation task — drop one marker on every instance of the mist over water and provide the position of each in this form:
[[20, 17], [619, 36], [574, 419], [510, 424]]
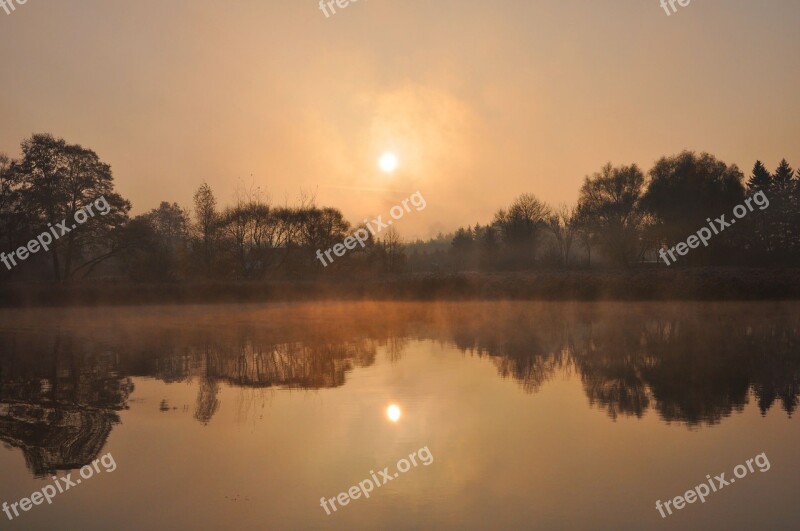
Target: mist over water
[[281, 404]]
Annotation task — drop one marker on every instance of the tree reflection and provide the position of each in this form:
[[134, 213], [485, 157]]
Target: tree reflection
[[58, 400], [695, 364]]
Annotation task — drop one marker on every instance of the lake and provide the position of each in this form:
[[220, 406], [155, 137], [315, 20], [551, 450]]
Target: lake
[[518, 415]]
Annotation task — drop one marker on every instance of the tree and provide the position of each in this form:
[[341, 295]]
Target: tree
[[321, 228], [249, 227], [6, 183], [56, 180], [488, 247], [170, 225], [171, 222], [686, 189], [463, 240], [278, 237], [206, 224], [235, 226], [609, 209], [775, 235], [784, 176], [393, 254], [11, 215], [519, 227], [462, 248], [563, 223], [761, 179]]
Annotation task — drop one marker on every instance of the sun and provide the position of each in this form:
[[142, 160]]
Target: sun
[[388, 162], [393, 412]]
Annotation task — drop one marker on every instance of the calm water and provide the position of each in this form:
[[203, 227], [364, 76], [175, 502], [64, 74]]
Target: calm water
[[536, 415]]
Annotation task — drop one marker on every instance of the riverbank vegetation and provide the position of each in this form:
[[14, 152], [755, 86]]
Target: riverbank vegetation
[[606, 245]]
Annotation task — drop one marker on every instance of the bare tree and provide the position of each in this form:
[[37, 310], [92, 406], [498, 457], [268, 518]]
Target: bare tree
[[394, 256], [563, 224], [519, 226]]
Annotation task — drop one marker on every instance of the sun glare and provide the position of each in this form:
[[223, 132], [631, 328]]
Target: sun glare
[[393, 412], [388, 162]]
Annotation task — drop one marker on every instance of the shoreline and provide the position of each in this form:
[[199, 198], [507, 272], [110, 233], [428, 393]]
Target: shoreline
[[701, 284]]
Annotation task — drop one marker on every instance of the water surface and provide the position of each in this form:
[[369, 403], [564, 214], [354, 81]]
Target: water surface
[[537, 415]]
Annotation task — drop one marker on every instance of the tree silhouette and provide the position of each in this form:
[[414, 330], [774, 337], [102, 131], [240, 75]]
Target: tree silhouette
[[520, 225], [761, 179], [609, 208], [563, 223], [55, 180], [784, 174], [687, 189], [207, 224]]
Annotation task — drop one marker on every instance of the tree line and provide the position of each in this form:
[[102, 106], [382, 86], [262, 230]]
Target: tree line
[[624, 216], [621, 218], [249, 240]]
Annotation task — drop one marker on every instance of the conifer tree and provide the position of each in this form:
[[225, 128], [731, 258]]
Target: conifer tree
[[783, 176], [761, 179]]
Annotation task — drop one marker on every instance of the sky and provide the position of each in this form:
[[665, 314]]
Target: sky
[[480, 101]]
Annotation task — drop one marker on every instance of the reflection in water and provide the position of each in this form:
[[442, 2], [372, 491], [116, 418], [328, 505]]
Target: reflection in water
[[255, 361], [59, 438], [695, 366], [690, 363], [393, 412], [58, 400]]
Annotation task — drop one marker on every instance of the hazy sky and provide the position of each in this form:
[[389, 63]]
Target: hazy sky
[[481, 100]]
